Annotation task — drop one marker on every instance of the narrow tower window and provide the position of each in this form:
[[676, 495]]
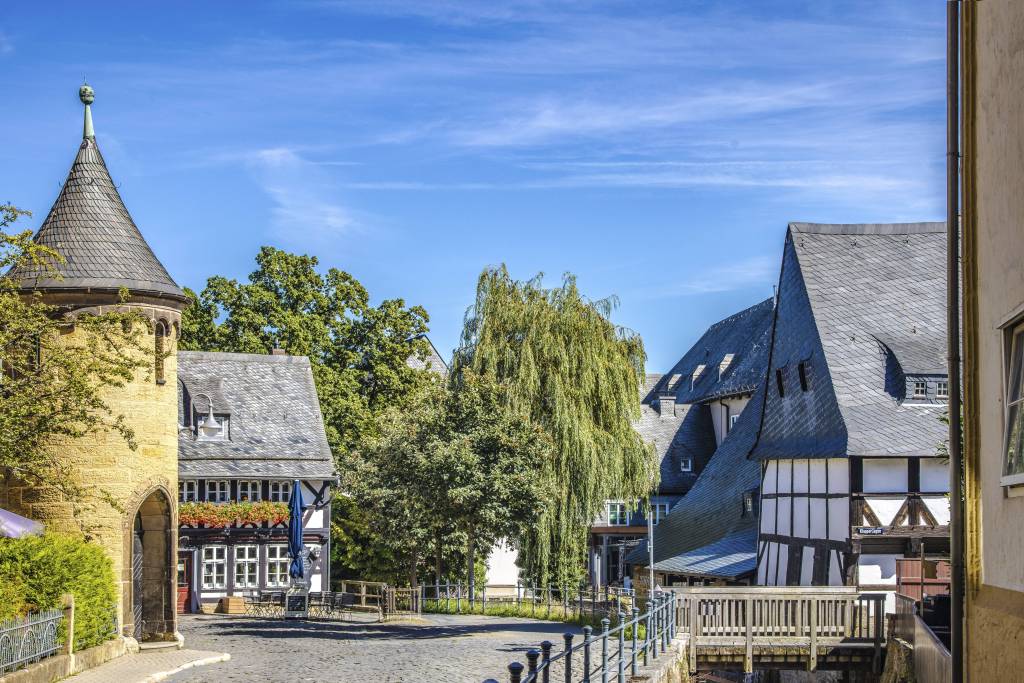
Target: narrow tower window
[[778, 383], [159, 333], [803, 376]]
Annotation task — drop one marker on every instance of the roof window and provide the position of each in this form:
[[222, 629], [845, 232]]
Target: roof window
[[920, 389], [802, 370], [778, 383], [724, 365], [696, 374]]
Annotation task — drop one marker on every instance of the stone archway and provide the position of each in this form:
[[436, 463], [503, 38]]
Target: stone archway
[[150, 613]]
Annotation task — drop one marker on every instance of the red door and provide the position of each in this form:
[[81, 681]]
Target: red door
[[184, 581]]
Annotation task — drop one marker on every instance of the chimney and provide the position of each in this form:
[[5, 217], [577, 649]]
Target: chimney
[[667, 404], [277, 351]]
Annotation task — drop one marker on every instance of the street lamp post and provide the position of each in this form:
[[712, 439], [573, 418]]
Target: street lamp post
[[650, 546]]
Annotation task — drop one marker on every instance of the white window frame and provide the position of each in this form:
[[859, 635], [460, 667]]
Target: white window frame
[[622, 514], [732, 421], [659, 511], [247, 559], [685, 463], [280, 491], [942, 390], [253, 490], [1013, 475], [277, 565], [214, 558], [218, 491], [924, 389], [188, 491]]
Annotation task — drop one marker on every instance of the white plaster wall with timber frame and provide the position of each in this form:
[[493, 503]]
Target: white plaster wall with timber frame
[[805, 506]]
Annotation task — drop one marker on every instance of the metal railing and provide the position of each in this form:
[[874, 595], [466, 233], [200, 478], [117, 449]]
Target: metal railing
[[28, 639], [635, 641]]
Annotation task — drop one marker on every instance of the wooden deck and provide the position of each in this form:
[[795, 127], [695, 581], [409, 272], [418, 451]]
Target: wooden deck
[[762, 627]]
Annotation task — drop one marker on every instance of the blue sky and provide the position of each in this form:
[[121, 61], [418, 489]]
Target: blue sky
[[655, 149]]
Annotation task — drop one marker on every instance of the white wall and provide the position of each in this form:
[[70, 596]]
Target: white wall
[[934, 475], [885, 475], [501, 565]]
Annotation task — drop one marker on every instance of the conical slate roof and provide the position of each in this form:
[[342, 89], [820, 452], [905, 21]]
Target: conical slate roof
[[91, 228]]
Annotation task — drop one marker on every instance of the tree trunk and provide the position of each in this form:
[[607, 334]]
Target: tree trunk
[[471, 563], [413, 564], [437, 559]]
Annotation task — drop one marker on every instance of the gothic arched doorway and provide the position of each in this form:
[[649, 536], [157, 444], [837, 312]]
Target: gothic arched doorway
[[152, 602]]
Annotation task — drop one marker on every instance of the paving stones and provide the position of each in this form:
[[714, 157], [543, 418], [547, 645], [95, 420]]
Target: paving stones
[[437, 647]]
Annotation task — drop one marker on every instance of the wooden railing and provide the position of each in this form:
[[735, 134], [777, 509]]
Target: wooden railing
[[367, 593], [803, 618]]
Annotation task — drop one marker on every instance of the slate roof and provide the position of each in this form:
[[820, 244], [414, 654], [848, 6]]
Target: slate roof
[[707, 533], [102, 247], [852, 298], [744, 336], [276, 429], [433, 361]]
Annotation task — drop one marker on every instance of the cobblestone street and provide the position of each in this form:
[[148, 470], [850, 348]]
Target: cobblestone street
[[466, 649]]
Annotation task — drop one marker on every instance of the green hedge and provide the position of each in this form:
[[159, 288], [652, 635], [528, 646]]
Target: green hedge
[[35, 571]]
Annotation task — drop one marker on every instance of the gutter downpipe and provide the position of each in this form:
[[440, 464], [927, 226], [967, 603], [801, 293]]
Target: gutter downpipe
[[956, 464]]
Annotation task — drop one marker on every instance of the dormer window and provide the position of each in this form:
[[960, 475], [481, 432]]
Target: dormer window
[[213, 428], [920, 390], [673, 382], [749, 502], [942, 390], [696, 374], [724, 365], [685, 464]]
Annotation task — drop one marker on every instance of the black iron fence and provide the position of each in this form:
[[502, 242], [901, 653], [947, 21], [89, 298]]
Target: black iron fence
[[615, 652]]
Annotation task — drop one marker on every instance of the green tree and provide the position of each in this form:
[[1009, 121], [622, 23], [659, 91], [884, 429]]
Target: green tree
[[570, 370], [358, 351], [52, 382], [358, 354], [454, 459]]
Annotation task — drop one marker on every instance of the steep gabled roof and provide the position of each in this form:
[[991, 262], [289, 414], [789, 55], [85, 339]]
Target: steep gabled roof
[[732, 353], [850, 295], [276, 429], [707, 533], [92, 230], [433, 361]]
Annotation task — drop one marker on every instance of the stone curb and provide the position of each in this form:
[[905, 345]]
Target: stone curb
[[161, 675]]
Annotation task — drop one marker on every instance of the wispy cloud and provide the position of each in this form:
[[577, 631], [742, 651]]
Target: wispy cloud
[[306, 205], [756, 271]]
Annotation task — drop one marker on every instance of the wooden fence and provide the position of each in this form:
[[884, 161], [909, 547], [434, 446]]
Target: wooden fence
[[781, 621]]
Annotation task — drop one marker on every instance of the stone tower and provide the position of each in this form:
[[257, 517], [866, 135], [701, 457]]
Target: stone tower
[[104, 253]]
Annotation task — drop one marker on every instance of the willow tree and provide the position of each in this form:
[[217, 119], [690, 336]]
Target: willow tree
[[575, 374]]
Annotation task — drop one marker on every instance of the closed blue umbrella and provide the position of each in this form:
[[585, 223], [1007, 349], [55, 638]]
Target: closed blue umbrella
[[296, 570]]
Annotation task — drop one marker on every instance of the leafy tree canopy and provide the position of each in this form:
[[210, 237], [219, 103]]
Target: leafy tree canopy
[[454, 461], [359, 352], [567, 368], [55, 372]]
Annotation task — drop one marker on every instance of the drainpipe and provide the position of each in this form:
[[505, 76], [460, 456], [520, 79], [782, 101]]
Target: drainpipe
[[956, 464]]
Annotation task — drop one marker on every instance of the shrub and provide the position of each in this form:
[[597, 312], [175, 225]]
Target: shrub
[[35, 571]]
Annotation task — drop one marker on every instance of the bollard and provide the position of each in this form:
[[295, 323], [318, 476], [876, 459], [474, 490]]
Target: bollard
[[636, 627], [531, 664], [586, 653], [604, 649], [515, 672], [545, 660], [568, 657], [622, 647], [565, 603]]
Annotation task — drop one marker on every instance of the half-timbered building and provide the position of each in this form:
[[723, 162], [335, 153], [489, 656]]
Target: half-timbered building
[[248, 427], [710, 536], [851, 418]]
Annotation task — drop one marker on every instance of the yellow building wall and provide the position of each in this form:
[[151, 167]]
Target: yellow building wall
[[104, 462], [993, 121]]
